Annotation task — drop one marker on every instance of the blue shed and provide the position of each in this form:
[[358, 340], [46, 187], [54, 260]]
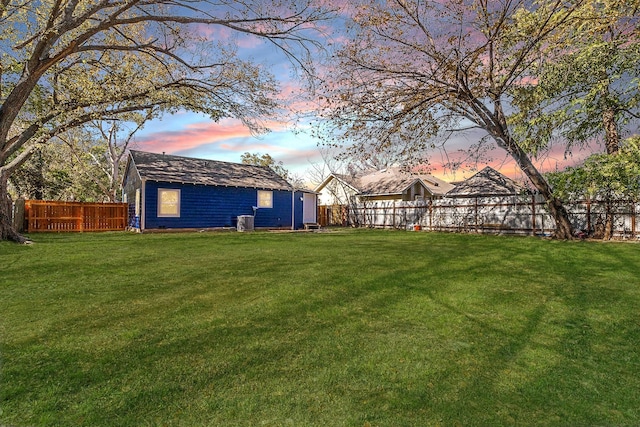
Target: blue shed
[[166, 191]]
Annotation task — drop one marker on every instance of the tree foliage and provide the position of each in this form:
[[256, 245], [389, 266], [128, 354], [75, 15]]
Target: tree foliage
[[607, 177], [45, 176], [412, 73], [586, 86], [603, 176], [67, 63], [258, 159], [101, 148], [83, 164]]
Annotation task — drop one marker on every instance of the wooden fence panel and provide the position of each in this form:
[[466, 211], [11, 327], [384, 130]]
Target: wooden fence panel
[[52, 216]]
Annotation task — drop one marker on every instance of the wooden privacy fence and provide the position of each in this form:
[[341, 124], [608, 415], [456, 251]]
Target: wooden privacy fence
[[51, 216], [333, 215]]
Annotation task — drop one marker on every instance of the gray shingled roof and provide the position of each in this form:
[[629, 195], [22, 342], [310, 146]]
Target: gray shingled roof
[[486, 183], [188, 170], [393, 180]]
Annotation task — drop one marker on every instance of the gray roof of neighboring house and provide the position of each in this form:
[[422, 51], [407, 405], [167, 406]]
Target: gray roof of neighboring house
[[486, 183], [392, 181], [395, 181], [188, 170]]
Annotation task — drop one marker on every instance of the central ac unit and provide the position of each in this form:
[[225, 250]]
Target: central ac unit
[[245, 223]]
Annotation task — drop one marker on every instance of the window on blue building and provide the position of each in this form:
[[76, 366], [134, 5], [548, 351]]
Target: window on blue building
[[168, 202], [265, 199]]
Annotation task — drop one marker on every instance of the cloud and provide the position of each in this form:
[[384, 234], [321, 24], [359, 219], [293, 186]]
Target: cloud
[[227, 140], [189, 135], [556, 159], [219, 33]]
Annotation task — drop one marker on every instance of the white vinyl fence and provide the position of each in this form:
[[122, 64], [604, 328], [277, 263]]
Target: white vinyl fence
[[507, 214]]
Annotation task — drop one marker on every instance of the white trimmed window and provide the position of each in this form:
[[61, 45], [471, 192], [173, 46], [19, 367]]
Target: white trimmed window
[[265, 199], [168, 202]]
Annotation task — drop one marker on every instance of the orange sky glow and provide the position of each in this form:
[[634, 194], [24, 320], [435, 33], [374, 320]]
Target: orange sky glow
[[194, 135]]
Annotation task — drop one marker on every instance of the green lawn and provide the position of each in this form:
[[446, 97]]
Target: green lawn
[[347, 328]]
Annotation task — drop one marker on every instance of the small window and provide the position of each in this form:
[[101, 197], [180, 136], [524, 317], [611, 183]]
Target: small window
[[265, 199], [168, 203]]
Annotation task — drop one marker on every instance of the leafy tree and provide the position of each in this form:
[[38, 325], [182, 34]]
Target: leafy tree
[[416, 72], [258, 159], [588, 86], [64, 64], [100, 150], [41, 178], [588, 91], [57, 171], [603, 176]]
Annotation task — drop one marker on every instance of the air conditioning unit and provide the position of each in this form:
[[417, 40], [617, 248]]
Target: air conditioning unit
[[245, 223]]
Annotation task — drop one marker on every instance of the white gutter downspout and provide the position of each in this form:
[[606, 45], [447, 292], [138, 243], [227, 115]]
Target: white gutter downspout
[[293, 209], [143, 203]]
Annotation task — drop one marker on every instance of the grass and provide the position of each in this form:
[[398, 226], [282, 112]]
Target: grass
[[354, 328]]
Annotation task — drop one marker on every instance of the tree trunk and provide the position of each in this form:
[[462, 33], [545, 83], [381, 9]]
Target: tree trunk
[[612, 142], [608, 220], [7, 231], [496, 125], [612, 137], [564, 229]]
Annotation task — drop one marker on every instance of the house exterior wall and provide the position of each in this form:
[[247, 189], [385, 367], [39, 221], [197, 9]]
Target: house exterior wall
[[211, 207], [336, 193], [415, 190]]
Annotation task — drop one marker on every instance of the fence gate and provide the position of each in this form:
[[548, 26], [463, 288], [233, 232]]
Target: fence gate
[[52, 216]]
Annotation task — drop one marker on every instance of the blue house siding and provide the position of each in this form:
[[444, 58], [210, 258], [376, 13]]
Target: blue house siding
[[203, 206]]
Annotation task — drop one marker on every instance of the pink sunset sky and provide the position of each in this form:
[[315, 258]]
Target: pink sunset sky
[[195, 135]]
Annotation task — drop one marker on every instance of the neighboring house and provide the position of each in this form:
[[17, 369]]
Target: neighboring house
[[487, 183], [165, 191], [343, 198], [387, 184], [337, 189], [488, 200]]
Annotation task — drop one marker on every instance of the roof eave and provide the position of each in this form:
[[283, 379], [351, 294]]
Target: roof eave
[[328, 179]]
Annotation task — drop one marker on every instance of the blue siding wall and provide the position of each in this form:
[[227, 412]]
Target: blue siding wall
[[206, 206]]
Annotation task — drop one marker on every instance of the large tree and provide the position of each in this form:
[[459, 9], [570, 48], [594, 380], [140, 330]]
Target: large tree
[[99, 150], [259, 159], [587, 89], [413, 71], [606, 177], [47, 175], [589, 93], [83, 163], [65, 63]]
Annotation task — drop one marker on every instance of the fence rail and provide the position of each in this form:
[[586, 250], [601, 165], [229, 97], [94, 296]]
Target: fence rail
[[52, 216], [517, 214]]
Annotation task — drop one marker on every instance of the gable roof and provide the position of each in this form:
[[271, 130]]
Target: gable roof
[[390, 181], [345, 180], [486, 183], [396, 181], [189, 170]]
